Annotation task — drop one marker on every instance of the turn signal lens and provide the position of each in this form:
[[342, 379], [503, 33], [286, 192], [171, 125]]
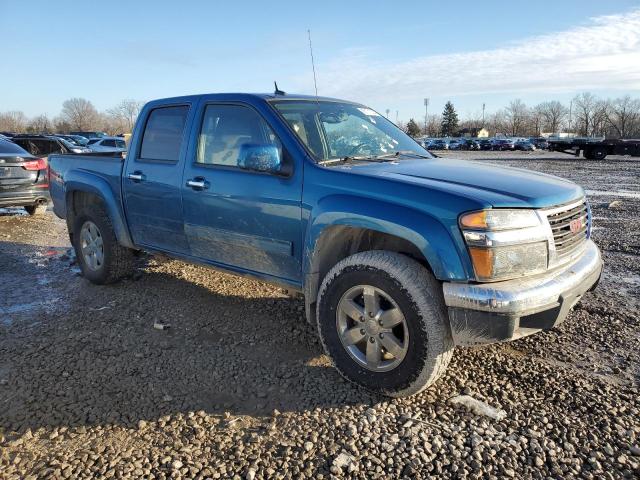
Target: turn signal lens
[[500, 219], [474, 220], [482, 259]]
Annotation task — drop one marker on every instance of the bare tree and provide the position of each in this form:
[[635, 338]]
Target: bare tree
[[80, 114], [585, 106], [553, 115], [39, 124], [623, 115], [497, 123], [126, 113], [14, 121], [433, 125], [516, 115], [599, 123]]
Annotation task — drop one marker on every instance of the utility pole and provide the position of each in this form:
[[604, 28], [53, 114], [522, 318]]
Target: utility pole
[[387, 110], [570, 108], [397, 116], [483, 105], [426, 113]]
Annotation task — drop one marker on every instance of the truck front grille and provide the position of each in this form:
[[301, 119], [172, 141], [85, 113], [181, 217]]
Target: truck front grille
[[566, 241]]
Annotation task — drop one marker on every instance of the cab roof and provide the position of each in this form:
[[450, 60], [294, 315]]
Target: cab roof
[[248, 97]]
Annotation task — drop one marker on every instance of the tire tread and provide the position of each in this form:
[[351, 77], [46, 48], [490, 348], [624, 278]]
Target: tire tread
[[422, 288]]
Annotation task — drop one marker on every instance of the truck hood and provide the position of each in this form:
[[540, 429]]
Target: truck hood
[[495, 185]]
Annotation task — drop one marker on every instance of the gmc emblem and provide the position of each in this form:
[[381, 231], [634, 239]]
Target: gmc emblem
[[575, 225]]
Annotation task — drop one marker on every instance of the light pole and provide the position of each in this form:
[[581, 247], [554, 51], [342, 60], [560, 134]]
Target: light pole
[[570, 108], [397, 111], [426, 113], [483, 115], [387, 110]]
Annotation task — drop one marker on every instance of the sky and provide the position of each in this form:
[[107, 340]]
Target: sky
[[388, 55]]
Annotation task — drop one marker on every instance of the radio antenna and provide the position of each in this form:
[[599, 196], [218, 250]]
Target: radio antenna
[[313, 65]]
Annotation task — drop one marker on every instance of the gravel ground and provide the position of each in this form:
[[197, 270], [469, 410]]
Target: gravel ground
[[238, 386]]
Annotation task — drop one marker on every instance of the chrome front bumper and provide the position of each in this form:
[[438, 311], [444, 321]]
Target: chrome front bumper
[[521, 306]]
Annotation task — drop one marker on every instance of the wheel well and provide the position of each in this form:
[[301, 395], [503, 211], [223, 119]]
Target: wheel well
[[339, 242], [76, 201]]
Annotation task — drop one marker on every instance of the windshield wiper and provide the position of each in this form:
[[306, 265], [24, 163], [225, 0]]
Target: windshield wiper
[[405, 153]]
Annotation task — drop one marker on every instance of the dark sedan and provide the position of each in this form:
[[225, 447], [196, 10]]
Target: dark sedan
[[23, 179]]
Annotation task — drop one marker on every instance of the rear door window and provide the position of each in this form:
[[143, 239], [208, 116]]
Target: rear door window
[[163, 134]]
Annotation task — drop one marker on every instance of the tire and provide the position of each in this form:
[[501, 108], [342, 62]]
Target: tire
[[587, 154], [425, 331], [36, 209], [598, 153], [117, 261]]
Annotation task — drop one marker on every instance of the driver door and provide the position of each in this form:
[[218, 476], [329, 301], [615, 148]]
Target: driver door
[[242, 219]]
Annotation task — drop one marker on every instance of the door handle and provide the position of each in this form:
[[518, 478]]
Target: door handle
[[198, 183], [136, 176]]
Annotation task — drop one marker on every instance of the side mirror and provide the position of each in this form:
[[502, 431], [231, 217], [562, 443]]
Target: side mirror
[[260, 158]]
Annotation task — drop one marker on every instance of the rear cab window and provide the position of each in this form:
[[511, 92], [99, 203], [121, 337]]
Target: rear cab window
[[164, 133]]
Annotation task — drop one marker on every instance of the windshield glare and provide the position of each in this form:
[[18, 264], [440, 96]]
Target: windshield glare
[[334, 130]]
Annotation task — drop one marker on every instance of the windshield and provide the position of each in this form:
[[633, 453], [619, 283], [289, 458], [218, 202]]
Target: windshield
[[334, 130], [67, 143]]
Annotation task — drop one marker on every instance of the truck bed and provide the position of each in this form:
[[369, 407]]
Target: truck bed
[[104, 170]]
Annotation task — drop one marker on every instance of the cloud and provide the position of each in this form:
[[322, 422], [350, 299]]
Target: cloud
[[603, 54]]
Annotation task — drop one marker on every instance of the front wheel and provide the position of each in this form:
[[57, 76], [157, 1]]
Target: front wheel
[[382, 320]]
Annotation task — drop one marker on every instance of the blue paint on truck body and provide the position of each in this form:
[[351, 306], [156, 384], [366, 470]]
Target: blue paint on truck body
[[268, 226]]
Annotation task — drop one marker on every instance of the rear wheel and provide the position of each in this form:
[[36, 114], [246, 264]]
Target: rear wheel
[[36, 209], [100, 256], [382, 320]]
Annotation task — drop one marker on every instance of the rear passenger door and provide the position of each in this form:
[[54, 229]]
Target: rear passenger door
[[152, 180]]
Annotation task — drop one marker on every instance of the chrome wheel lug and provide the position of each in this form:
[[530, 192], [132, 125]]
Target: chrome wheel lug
[[382, 335], [371, 339]]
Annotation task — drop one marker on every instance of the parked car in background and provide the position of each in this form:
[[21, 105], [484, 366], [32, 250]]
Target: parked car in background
[[438, 144], [470, 144], [540, 143], [524, 145], [75, 139], [485, 144], [8, 134], [23, 179], [503, 144], [45, 145], [107, 144], [457, 144], [89, 135]]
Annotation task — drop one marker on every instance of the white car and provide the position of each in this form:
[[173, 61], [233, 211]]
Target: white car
[[107, 144]]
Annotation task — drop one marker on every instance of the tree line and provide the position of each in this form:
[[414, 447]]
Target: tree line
[[77, 114], [586, 115]]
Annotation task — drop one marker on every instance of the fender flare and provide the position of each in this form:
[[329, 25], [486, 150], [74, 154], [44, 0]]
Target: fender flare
[[445, 252], [86, 182]]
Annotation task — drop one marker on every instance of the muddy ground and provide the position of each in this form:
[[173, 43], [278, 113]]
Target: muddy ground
[[238, 386]]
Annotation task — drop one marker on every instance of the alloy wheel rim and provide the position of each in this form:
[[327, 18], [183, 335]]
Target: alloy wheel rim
[[91, 245], [372, 328]]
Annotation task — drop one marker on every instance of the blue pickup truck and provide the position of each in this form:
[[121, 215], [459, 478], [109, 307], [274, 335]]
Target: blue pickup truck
[[400, 255]]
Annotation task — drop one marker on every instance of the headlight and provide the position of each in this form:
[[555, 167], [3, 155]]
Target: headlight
[[505, 244]]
